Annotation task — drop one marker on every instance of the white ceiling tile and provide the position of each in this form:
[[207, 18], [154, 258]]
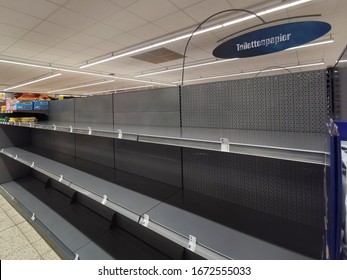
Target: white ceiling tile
[[85, 39], [47, 57], [203, 10], [70, 19], [93, 52], [175, 22], [123, 3], [184, 3], [30, 7], [126, 39], [3, 48], [94, 9], [58, 2], [18, 19], [54, 30], [108, 47], [41, 38], [12, 31], [124, 20], [148, 31], [70, 46], [29, 45], [8, 41], [151, 10], [20, 53], [102, 31], [59, 52]]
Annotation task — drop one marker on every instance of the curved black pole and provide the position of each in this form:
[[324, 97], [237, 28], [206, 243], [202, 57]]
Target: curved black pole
[[221, 12]]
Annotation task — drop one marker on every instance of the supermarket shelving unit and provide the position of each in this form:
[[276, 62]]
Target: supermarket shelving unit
[[140, 175]]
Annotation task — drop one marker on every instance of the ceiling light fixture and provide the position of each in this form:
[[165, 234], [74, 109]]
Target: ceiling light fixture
[[237, 20], [81, 86], [252, 72], [130, 88], [33, 81], [341, 61], [312, 44], [62, 69], [187, 67]]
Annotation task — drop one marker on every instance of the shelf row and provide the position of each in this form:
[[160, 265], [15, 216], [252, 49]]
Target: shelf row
[[301, 147], [206, 235]]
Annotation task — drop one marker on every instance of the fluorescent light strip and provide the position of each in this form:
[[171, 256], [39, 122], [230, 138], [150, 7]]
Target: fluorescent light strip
[[81, 86], [245, 18], [81, 72], [186, 67], [342, 61], [130, 88], [253, 72], [312, 45], [33, 81]]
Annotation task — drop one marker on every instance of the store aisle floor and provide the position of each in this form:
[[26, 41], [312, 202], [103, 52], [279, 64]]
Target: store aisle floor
[[18, 239]]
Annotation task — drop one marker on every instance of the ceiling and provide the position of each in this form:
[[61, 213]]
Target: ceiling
[[59, 36]]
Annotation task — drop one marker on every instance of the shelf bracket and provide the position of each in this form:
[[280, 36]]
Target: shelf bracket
[[89, 131], [2, 150], [144, 220], [120, 134], [71, 128], [77, 257], [225, 145], [192, 243], [32, 165], [104, 200], [33, 217], [16, 157], [61, 178], [54, 127]]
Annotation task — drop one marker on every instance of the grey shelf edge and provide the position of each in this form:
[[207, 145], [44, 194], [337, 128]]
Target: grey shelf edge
[[201, 250], [282, 153], [99, 198]]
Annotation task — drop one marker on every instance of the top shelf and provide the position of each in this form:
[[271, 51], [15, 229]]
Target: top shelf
[[293, 146]]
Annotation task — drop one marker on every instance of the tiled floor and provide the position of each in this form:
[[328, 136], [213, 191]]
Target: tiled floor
[[18, 239]]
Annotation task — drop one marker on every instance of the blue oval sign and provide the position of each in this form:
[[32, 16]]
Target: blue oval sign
[[272, 39]]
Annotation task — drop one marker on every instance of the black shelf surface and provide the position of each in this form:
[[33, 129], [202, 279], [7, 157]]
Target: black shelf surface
[[90, 185], [80, 229], [237, 232], [294, 146]]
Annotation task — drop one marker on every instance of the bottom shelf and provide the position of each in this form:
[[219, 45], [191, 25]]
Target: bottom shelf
[[77, 225], [237, 232]]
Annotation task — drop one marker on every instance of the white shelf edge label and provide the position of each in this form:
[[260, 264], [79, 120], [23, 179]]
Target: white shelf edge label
[[144, 220], [71, 128], [225, 145], [33, 218], [89, 131], [54, 127], [104, 200], [192, 243], [31, 125], [61, 178], [120, 134], [77, 257]]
